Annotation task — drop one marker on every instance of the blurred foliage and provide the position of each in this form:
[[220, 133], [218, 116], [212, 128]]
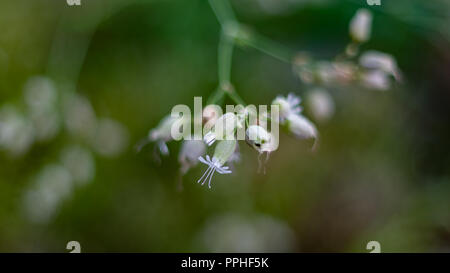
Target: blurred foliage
[[382, 171]]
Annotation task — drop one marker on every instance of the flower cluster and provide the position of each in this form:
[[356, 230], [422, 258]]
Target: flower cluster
[[224, 132], [371, 70], [50, 111]]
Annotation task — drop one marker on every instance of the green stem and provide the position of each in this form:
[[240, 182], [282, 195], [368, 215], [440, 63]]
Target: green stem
[[267, 46], [225, 58], [232, 32], [223, 11], [235, 97]]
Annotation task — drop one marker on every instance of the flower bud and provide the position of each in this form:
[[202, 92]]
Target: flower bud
[[301, 127], [320, 104], [360, 26], [377, 80], [380, 61], [224, 150]]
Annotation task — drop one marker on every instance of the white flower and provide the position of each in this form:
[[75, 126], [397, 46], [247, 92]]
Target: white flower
[[344, 72], [301, 127], [17, 133], [224, 128], [377, 80], [222, 154], [256, 136], [246, 233], [47, 124], [360, 26], [191, 150], [380, 61], [321, 104], [79, 162], [40, 94], [266, 147], [271, 145], [162, 134], [79, 115], [50, 188], [110, 138], [288, 105], [326, 72]]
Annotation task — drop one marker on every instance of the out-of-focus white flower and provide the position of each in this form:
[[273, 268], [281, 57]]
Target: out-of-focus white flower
[[50, 187], [40, 94], [110, 138], [321, 105], [224, 128], [246, 233], [345, 72], [380, 61], [288, 105], [301, 127], [256, 136], [303, 66], [46, 124], [16, 132], [162, 134], [80, 163], [41, 99], [191, 150], [326, 73], [79, 116], [361, 25], [377, 80], [223, 152]]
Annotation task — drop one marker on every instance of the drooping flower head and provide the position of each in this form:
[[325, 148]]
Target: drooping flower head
[[190, 151], [162, 134], [224, 128], [256, 136], [376, 60], [376, 80], [301, 127], [288, 105], [222, 154]]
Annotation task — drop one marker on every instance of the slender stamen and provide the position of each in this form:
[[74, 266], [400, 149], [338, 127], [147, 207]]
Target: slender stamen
[[213, 166], [213, 169], [207, 170], [209, 182]]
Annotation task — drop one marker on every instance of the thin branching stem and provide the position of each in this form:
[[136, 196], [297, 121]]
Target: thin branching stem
[[233, 31], [225, 57]]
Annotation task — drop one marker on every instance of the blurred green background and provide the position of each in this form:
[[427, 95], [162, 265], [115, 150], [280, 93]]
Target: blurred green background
[[382, 171]]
